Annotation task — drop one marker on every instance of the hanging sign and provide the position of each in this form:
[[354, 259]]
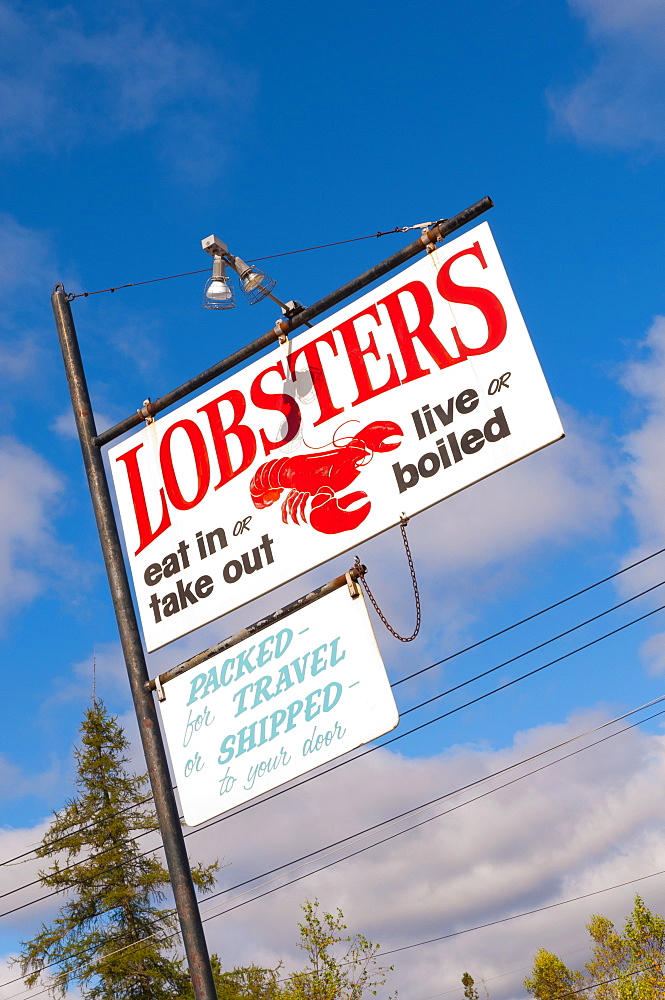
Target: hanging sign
[[296, 695], [425, 385]]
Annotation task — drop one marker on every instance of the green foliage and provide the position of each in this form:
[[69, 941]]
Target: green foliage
[[111, 938], [249, 983], [637, 956], [106, 939], [550, 978], [470, 991], [340, 966], [628, 965]]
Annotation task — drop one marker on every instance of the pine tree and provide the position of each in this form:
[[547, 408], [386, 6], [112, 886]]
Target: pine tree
[[112, 937]]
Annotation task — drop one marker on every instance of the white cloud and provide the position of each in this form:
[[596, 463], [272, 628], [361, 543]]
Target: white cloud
[[20, 361], [103, 671], [644, 448], [64, 424], [620, 101], [30, 489], [593, 821], [63, 83], [470, 547], [563, 493], [579, 826], [644, 379], [24, 256], [653, 653], [27, 273], [14, 843]]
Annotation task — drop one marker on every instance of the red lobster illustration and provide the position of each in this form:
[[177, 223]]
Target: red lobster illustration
[[320, 477]]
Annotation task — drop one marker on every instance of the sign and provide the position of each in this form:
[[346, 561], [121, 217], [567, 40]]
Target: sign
[[411, 393], [296, 695]]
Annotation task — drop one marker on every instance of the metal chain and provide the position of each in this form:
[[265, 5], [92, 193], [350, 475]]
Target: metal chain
[[402, 638]]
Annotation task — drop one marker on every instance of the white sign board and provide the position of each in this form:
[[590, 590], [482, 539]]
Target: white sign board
[[294, 696], [411, 393]]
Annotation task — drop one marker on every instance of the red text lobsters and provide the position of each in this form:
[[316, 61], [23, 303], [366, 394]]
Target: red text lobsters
[[320, 477]]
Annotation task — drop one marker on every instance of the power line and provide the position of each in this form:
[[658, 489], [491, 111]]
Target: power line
[[379, 746], [392, 820], [253, 260], [420, 808], [501, 975], [442, 937], [400, 736], [413, 827], [451, 656], [107, 955], [562, 996], [86, 860], [533, 649], [536, 614], [458, 708], [614, 979], [90, 826], [408, 829], [517, 916], [423, 725]]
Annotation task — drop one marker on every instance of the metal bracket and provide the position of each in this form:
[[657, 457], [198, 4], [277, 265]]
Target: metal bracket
[[145, 412], [292, 308], [280, 333], [352, 583], [161, 693], [426, 241]]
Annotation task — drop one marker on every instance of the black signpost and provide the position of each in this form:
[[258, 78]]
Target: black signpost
[[141, 686]]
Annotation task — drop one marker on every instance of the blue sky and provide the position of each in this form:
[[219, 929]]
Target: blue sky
[[128, 133]]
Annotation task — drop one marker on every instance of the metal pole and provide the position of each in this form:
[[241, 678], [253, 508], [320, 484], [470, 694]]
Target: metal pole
[[302, 318], [165, 805]]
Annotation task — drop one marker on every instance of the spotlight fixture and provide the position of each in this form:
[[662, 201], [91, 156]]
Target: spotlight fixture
[[218, 292], [256, 284]]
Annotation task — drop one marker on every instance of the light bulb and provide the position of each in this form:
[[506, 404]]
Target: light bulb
[[218, 291], [252, 280]]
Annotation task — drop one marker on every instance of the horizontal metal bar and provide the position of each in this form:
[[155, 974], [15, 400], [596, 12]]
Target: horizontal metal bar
[[433, 235], [157, 405], [245, 633]]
